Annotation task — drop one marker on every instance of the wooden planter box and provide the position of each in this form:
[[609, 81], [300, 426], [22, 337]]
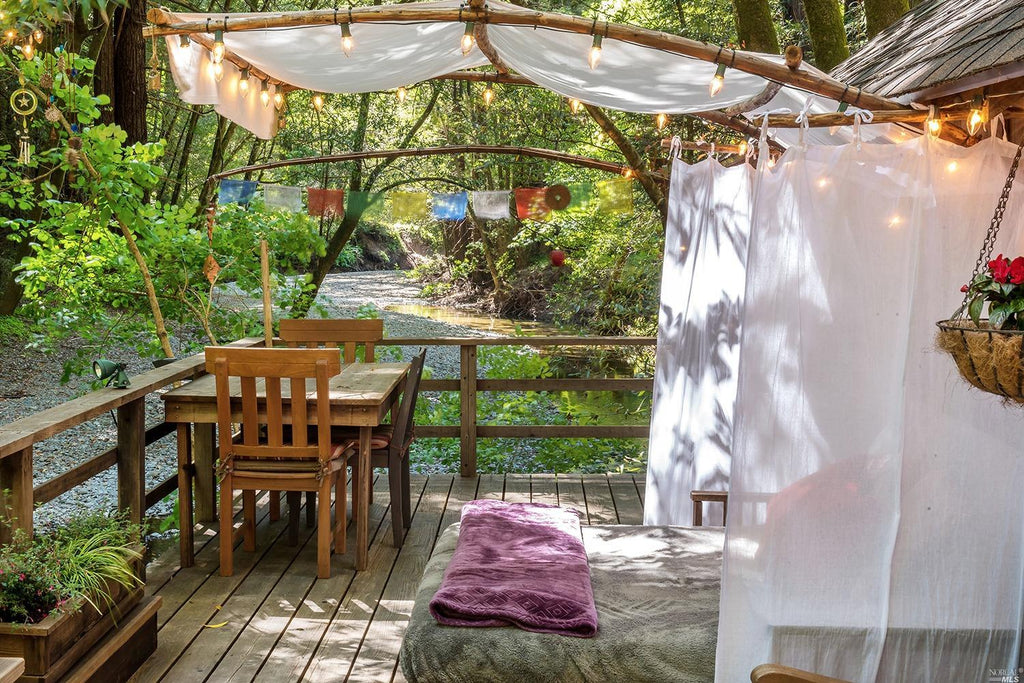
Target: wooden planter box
[[54, 645]]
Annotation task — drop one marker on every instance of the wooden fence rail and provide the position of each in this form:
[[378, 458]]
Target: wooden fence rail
[[17, 439]]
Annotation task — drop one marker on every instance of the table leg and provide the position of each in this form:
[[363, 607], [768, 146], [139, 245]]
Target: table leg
[[185, 522], [362, 521], [205, 457]]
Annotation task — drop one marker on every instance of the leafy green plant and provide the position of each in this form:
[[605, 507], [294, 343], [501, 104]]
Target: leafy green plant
[[1001, 286]]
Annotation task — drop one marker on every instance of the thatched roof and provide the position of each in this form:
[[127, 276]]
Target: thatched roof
[[939, 42]]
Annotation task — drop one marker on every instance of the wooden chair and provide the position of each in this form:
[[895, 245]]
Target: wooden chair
[[776, 673], [390, 448], [346, 333], [268, 457]]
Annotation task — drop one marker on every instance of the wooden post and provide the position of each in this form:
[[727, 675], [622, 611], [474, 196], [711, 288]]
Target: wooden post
[[16, 494], [131, 459], [467, 392], [185, 478], [203, 458], [268, 311]]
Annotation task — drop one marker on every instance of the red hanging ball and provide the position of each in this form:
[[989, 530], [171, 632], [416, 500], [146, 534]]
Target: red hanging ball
[[557, 257]]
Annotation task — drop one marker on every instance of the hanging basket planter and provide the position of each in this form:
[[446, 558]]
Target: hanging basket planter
[[989, 352]]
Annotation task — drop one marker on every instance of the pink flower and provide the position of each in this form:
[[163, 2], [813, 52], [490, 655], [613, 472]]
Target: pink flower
[[21, 577], [964, 289], [1000, 268]]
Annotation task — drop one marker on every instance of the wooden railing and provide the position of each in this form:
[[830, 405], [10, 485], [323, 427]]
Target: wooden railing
[[18, 497]]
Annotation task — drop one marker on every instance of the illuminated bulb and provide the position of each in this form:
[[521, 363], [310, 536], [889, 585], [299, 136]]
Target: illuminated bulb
[[467, 38], [488, 96], [771, 162], [952, 166], [218, 47], [743, 147], [3, 15], [575, 106], [717, 81], [184, 41], [627, 173], [895, 221], [27, 50], [318, 102], [243, 83], [38, 35], [660, 121], [278, 100], [218, 71], [975, 121], [823, 182], [934, 122], [10, 34], [346, 40], [265, 94], [401, 94], [595, 52]]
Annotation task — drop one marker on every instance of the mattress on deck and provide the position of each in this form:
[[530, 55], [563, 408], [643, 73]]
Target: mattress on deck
[[656, 590]]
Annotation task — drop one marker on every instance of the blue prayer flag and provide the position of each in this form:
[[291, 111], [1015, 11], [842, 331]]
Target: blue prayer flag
[[450, 207], [236, 191]]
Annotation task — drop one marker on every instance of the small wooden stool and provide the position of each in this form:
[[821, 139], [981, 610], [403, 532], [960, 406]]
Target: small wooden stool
[[701, 497]]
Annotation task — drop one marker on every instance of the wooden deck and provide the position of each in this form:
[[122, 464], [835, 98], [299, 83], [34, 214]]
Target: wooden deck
[[275, 621]]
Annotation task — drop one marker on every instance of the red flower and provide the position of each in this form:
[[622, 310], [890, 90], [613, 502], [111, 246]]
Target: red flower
[[1016, 271], [1000, 268], [964, 289]]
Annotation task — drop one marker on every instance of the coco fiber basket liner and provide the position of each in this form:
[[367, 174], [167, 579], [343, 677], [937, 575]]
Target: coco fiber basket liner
[[989, 359]]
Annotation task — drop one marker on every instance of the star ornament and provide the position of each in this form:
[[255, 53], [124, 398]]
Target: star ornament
[[24, 102]]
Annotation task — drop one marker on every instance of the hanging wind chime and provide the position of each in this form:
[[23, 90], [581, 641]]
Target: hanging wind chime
[[24, 103]]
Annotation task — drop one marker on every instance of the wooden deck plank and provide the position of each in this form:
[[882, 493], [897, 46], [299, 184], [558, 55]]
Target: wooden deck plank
[[464, 489], [543, 489], [570, 494], [379, 651], [517, 488], [492, 486], [600, 505], [627, 499], [296, 646]]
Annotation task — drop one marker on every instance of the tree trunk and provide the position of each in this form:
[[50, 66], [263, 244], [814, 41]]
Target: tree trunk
[[183, 154], [225, 129], [828, 33], [881, 13], [755, 26], [130, 97]]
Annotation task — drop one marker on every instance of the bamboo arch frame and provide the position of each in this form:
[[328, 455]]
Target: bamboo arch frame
[[167, 23]]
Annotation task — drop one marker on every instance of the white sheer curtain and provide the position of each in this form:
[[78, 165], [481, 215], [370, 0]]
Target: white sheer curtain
[[698, 339], [876, 507]]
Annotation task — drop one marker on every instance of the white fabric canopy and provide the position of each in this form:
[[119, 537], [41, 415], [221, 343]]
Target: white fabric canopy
[[388, 55], [875, 512]]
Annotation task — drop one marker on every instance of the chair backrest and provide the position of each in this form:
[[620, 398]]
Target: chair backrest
[[263, 403], [349, 333], [403, 421]]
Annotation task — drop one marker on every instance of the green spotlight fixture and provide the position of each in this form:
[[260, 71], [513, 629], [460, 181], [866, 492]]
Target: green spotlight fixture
[[113, 372]]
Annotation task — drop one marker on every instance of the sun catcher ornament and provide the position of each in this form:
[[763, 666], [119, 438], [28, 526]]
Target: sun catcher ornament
[[557, 197], [24, 103], [557, 258]]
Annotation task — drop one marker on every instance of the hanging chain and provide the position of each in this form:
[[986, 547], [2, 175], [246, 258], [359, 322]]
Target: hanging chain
[[993, 229]]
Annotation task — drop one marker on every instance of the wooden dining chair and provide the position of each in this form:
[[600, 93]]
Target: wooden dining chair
[[390, 445], [344, 333], [268, 457]]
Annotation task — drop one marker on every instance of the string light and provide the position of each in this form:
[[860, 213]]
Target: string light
[[952, 166], [184, 41], [660, 121], [3, 15], [265, 93], [346, 40], [218, 46], [38, 35], [717, 81], [595, 52], [243, 83], [575, 106], [771, 162], [218, 71], [627, 173], [976, 119], [934, 122], [401, 94], [743, 147], [278, 98], [488, 96], [318, 102], [10, 34], [27, 49], [467, 38]]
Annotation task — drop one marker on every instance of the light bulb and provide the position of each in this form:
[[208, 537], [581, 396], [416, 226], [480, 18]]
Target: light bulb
[[218, 71], [975, 121], [243, 83], [346, 40], [660, 121], [318, 102], [717, 81], [278, 100], [184, 41], [401, 94], [28, 50], [488, 96], [10, 34], [934, 123], [3, 15], [467, 38], [218, 47], [595, 52], [575, 106], [627, 173], [743, 147], [771, 162], [38, 35], [265, 94], [952, 166]]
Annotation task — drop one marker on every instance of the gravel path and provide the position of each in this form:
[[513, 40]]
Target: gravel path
[[30, 382]]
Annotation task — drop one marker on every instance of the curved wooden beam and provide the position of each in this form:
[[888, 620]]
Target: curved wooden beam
[[535, 152], [166, 23]]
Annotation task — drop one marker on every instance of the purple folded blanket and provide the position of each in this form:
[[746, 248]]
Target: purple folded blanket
[[518, 564]]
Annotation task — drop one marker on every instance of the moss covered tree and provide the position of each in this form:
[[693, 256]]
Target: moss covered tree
[[755, 27], [828, 33], [881, 13]]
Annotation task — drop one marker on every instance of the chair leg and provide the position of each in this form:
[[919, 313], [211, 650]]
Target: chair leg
[[294, 503], [406, 502], [323, 529], [340, 520], [310, 508], [355, 487], [249, 520], [275, 505], [227, 540], [395, 488]]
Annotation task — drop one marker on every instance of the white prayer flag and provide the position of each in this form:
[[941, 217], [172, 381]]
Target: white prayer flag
[[282, 197], [492, 204]]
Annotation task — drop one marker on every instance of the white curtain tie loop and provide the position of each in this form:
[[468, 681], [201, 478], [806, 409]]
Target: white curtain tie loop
[[859, 116], [675, 147], [803, 118]]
